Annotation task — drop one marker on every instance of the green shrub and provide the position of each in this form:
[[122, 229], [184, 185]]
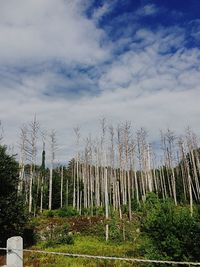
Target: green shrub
[[48, 213], [99, 211], [175, 234], [59, 235], [62, 235], [66, 212]]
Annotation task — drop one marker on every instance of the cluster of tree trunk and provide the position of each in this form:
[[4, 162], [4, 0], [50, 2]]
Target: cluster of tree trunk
[[115, 170]]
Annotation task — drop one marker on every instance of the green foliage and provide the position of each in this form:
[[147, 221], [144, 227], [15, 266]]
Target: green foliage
[[174, 233], [13, 217], [63, 236], [135, 206], [94, 211], [67, 212], [48, 213], [99, 211], [58, 235], [115, 229], [64, 212]]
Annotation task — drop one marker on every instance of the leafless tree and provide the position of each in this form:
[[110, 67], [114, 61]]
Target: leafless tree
[[53, 148]]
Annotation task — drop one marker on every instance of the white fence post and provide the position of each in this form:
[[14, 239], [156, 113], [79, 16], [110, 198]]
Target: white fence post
[[15, 252]]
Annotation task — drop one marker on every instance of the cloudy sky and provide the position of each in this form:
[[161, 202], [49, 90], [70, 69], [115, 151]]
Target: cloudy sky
[[72, 62]]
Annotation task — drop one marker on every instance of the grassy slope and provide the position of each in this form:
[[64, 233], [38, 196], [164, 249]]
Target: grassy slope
[[85, 243]]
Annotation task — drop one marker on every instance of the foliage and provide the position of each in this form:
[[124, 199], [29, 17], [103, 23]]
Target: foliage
[[48, 213], [94, 211], [83, 245], [13, 217], [63, 236], [63, 212], [174, 233], [67, 212], [58, 235], [115, 229], [123, 229]]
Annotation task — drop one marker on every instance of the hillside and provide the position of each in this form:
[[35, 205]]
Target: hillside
[[159, 230]]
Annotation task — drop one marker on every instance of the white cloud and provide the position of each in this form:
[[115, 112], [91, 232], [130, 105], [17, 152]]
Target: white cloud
[[38, 31], [149, 85]]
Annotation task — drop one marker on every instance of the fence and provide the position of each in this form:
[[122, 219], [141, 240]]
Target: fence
[[14, 256]]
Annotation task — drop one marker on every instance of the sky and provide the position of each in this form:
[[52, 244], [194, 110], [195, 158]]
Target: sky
[[72, 62]]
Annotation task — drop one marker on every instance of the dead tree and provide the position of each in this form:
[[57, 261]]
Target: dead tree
[[53, 147], [22, 159], [31, 151], [77, 172], [168, 143]]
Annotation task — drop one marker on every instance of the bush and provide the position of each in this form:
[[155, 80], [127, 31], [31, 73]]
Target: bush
[[174, 233], [63, 236], [48, 213], [66, 212], [58, 235], [115, 231]]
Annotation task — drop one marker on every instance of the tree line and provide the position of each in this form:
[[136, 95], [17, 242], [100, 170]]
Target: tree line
[[115, 170]]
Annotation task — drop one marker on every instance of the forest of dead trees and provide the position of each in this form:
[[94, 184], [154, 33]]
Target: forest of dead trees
[[113, 171]]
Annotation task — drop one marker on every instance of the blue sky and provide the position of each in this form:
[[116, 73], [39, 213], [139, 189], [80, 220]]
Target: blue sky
[[74, 62]]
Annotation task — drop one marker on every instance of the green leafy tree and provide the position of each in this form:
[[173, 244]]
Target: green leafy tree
[[12, 212], [174, 233]]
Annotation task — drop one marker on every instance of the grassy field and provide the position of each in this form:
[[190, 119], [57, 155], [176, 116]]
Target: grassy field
[[89, 239], [82, 245]]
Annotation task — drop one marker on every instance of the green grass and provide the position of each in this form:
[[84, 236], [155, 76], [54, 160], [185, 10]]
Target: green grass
[[83, 245], [89, 239]]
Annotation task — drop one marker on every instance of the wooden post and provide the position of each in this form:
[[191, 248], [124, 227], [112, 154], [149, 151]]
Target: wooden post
[[15, 252]]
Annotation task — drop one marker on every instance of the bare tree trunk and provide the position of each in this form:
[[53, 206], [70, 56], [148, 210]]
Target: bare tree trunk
[[67, 193], [61, 187], [129, 196], [53, 150], [30, 189], [168, 145], [106, 201], [74, 183], [119, 201], [186, 165], [41, 194], [31, 150], [50, 187], [23, 140]]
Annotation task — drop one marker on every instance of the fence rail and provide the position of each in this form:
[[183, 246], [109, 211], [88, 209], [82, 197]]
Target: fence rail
[[15, 255]]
